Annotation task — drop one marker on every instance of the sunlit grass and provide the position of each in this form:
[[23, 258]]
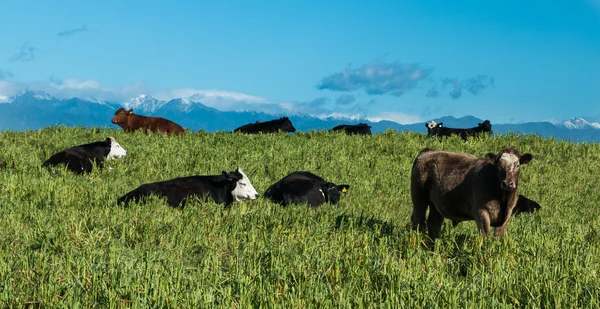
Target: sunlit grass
[[64, 242]]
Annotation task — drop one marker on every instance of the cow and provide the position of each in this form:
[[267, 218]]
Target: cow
[[271, 126], [462, 187], [437, 129], [222, 189], [130, 122], [524, 205], [81, 159], [302, 187], [361, 128]]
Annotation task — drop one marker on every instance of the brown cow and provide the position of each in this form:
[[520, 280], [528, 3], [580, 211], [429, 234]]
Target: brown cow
[[130, 122], [462, 187]]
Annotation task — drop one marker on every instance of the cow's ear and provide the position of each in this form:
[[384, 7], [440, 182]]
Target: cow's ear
[[525, 158], [490, 156], [440, 124], [343, 188], [427, 125], [130, 111]]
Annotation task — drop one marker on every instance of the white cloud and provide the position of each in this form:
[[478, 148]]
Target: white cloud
[[218, 99], [400, 118], [77, 84]]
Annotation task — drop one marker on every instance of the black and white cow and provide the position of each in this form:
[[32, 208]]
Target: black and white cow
[[303, 187], [437, 129], [272, 126], [81, 159], [361, 128], [222, 189]]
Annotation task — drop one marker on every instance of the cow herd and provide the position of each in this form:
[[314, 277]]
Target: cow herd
[[455, 186]]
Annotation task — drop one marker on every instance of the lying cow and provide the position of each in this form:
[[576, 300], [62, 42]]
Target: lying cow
[[437, 129], [304, 188], [361, 128], [462, 187], [524, 205], [130, 122], [222, 189], [81, 159], [271, 126]]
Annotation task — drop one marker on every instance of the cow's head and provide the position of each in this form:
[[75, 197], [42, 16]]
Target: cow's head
[[430, 125], [116, 151], [486, 125], [243, 187], [286, 125], [507, 164], [333, 191], [121, 116]]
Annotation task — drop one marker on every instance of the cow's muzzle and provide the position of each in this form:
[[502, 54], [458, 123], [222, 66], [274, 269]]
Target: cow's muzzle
[[508, 185]]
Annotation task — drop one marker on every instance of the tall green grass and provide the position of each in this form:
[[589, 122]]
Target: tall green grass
[[65, 243]]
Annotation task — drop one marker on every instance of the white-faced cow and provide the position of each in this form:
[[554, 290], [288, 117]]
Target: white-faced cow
[[361, 128], [222, 189], [437, 129], [463, 187], [303, 187], [271, 126], [81, 159]]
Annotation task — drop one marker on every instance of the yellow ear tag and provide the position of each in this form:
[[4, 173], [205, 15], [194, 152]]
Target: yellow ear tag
[[344, 189], [130, 112]]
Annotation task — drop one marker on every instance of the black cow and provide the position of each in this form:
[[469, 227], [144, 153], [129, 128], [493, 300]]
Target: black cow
[[81, 159], [223, 189], [271, 126], [437, 129], [303, 187], [524, 205], [361, 128]]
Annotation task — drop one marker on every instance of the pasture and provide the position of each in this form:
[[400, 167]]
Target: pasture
[[64, 242]]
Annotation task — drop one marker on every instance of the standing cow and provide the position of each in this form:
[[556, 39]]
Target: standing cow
[[222, 189], [271, 126], [437, 129], [81, 159], [130, 122], [462, 187], [303, 187]]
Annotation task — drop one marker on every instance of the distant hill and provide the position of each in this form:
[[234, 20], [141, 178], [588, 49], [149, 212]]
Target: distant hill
[[34, 110]]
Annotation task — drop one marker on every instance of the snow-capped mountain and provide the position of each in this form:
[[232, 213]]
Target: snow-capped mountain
[[579, 123], [34, 109], [144, 103]]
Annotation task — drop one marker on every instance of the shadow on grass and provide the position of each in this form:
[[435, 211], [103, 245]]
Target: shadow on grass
[[365, 222]]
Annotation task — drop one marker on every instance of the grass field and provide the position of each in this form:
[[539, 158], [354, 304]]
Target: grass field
[[65, 243]]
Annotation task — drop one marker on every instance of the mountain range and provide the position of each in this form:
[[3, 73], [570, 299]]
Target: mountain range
[[34, 110]]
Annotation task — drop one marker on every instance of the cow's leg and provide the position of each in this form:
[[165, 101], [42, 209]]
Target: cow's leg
[[420, 204], [483, 221], [434, 222], [499, 231]]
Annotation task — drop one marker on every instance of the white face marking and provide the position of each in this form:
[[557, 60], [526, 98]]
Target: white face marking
[[322, 193], [431, 124], [511, 160], [116, 151], [244, 189]]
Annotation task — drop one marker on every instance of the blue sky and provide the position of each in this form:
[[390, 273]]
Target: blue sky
[[408, 61]]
